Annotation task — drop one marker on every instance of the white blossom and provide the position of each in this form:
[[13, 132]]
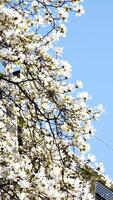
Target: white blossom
[[79, 10], [100, 167], [91, 158], [84, 95], [79, 84], [24, 183], [45, 122]]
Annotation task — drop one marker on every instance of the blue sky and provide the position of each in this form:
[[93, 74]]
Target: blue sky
[[89, 48]]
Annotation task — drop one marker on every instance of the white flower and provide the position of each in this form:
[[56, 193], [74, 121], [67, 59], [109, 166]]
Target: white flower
[[100, 108], [31, 46], [83, 95], [40, 20], [89, 196], [108, 181], [82, 157], [9, 33], [70, 87], [66, 69], [79, 10], [22, 57], [91, 158], [79, 84], [24, 183], [22, 196], [63, 30], [63, 13], [83, 146], [59, 50], [2, 125], [100, 167]]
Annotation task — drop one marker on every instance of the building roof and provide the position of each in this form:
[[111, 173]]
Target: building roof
[[102, 192]]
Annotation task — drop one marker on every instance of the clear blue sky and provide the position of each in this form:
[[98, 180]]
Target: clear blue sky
[[89, 48]]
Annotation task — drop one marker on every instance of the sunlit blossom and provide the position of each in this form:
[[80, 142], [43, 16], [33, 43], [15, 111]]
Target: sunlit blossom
[[45, 122]]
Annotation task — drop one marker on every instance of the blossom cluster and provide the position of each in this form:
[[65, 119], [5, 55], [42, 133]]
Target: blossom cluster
[[42, 125]]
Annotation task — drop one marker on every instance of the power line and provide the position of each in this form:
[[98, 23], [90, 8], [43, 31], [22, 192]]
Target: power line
[[105, 143]]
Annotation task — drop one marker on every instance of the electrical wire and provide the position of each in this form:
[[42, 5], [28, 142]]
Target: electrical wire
[[105, 143]]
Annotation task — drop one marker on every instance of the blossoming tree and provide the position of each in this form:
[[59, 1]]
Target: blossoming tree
[[42, 125]]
